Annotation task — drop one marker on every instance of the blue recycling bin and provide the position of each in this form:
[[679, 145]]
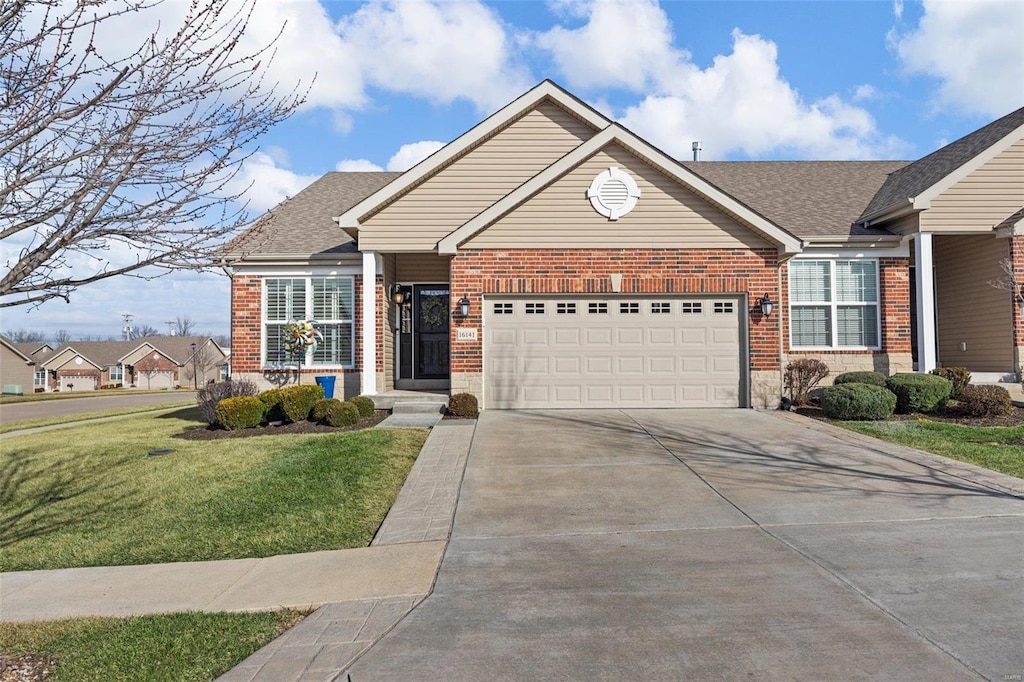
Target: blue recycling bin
[[326, 383]]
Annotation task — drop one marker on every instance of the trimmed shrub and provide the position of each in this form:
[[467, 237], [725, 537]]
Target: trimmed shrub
[[802, 376], [341, 414], [298, 401], [364, 404], [273, 411], [320, 409], [241, 412], [857, 402], [958, 376], [984, 401], [873, 378], [208, 396], [919, 392], [463, 405]]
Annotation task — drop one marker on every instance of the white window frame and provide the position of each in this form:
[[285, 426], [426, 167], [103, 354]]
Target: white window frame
[[37, 380], [120, 373], [834, 304], [307, 362]]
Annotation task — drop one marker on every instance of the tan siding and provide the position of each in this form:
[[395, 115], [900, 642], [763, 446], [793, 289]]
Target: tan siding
[[666, 216], [422, 267], [970, 309], [905, 225], [418, 220], [15, 370], [983, 199]]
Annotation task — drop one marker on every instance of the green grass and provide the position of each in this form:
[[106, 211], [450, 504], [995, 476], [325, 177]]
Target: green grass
[[173, 647], [90, 496], [984, 446], [70, 418]]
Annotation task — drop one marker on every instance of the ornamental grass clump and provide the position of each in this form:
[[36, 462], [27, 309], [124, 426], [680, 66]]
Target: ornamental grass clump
[[873, 378], [857, 402], [241, 412], [208, 396], [924, 393], [364, 404], [802, 376]]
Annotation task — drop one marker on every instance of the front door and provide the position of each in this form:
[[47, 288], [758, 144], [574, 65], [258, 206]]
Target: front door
[[423, 334]]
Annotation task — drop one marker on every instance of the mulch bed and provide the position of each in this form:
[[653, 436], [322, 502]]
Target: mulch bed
[[26, 668], [217, 433], [1014, 418]]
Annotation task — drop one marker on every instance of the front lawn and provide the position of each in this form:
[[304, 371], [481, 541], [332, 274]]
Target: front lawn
[[83, 416], [91, 496], [172, 647], [1000, 448]]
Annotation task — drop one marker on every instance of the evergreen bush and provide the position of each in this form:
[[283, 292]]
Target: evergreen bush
[[240, 412], [341, 414], [364, 404], [298, 401], [958, 376], [463, 405], [923, 393], [211, 394], [984, 401], [873, 378], [858, 402]]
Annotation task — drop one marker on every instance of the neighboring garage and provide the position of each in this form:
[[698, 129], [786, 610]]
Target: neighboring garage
[[150, 379], [573, 352], [77, 383]]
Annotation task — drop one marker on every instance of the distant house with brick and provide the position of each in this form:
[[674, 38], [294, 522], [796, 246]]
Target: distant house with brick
[[155, 362], [549, 257]]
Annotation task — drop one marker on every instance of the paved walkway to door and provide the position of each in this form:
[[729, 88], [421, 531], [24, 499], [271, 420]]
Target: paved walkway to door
[[714, 544]]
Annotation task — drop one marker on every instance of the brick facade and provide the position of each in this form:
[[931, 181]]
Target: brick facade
[[475, 273], [1017, 259], [894, 302]]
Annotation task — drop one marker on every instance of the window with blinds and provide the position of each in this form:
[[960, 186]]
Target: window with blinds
[[834, 304], [329, 301]]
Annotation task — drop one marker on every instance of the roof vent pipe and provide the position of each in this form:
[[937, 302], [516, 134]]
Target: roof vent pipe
[[696, 150]]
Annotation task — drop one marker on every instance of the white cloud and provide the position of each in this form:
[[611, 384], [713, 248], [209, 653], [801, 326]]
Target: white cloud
[[976, 51], [625, 44], [865, 92], [440, 51], [407, 156], [742, 104], [897, 9], [268, 183], [357, 165]]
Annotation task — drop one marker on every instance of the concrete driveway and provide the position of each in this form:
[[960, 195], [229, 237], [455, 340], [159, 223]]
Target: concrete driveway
[[44, 409], [718, 544]]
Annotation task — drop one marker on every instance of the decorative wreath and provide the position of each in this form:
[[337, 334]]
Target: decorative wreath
[[433, 311], [299, 336]]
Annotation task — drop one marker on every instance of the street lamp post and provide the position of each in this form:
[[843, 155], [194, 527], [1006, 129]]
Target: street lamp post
[[195, 375]]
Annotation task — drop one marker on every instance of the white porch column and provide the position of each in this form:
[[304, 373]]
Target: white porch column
[[369, 368], [925, 275]]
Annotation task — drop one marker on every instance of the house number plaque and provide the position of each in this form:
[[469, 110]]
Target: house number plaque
[[465, 334]]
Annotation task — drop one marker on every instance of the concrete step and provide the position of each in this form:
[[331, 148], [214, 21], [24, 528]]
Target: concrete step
[[388, 399], [408, 407]]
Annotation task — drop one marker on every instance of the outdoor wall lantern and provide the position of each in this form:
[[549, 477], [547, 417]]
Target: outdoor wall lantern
[[398, 295], [464, 306], [766, 305]]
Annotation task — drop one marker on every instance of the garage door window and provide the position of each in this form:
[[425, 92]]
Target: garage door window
[[834, 304]]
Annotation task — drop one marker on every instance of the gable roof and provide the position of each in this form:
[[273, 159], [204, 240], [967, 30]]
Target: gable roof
[[65, 354], [302, 225], [110, 353], [808, 198], [16, 350], [545, 91], [615, 133], [926, 176]]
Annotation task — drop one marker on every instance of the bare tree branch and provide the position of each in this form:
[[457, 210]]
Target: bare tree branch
[[123, 163], [1010, 281]]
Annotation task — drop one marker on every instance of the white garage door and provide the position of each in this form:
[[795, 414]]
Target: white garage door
[[76, 384], [612, 352], [154, 380]]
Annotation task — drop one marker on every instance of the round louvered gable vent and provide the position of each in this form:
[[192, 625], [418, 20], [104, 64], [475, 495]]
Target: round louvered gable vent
[[613, 193]]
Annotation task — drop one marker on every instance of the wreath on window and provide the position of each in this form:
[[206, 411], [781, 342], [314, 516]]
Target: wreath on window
[[433, 311]]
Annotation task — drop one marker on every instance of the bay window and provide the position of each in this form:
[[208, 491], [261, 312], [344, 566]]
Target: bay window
[[329, 301], [834, 304]]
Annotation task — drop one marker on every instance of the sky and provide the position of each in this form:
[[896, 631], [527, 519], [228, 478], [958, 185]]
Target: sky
[[391, 82]]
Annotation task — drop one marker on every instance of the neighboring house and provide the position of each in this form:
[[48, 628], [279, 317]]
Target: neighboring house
[[551, 258], [39, 352], [149, 363], [17, 368]]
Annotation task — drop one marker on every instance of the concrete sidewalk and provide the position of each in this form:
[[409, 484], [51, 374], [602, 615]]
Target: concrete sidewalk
[[366, 590]]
